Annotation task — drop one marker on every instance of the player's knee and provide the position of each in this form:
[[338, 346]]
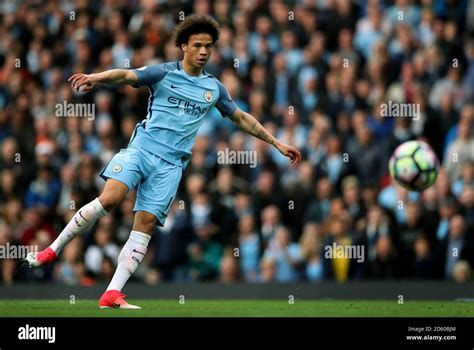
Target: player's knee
[[113, 194], [109, 201], [147, 227], [145, 223]]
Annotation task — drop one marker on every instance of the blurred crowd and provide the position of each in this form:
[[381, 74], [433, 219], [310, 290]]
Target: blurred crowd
[[315, 73]]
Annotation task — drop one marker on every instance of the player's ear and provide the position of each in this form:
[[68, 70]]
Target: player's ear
[[184, 47]]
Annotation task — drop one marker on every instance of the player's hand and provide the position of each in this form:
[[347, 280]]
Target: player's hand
[[291, 152], [86, 81]]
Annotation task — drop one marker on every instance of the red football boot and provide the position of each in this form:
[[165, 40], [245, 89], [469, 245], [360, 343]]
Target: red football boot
[[113, 299], [38, 259]]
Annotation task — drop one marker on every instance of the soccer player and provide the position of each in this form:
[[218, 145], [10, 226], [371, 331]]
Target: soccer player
[[181, 95]]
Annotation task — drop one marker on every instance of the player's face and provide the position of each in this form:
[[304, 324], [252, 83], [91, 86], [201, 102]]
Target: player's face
[[198, 50]]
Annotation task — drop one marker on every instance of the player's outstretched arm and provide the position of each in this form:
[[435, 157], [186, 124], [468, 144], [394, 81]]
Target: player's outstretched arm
[[252, 126], [113, 76]]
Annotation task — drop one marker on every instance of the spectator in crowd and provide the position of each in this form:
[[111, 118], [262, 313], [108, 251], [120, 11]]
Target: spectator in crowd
[[341, 266], [462, 271], [271, 222], [458, 245], [267, 271], [70, 270], [311, 247], [460, 150], [102, 249], [285, 255], [385, 265], [376, 226], [7, 266], [318, 208], [249, 248], [424, 264], [170, 244], [229, 269]]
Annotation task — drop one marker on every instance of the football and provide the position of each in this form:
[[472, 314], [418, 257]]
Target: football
[[414, 165]]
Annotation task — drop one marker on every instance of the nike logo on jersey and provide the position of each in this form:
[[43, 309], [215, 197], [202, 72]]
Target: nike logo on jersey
[[173, 87]]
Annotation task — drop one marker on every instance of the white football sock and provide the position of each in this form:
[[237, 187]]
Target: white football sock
[[130, 257], [80, 223]]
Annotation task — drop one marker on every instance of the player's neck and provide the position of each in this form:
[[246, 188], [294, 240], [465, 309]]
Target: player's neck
[[190, 70]]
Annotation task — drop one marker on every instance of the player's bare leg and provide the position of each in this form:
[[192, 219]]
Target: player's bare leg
[[114, 192], [130, 257]]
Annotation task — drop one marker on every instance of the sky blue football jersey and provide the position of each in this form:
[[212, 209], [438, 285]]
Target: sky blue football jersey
[[177, 106]]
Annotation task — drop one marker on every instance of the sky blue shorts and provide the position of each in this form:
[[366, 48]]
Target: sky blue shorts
[[156, 179]]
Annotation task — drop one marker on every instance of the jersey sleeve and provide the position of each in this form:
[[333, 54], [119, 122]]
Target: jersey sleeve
[[225, 104], [149, 75]]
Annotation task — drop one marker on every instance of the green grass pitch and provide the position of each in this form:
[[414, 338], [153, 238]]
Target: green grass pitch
[[240, 308]]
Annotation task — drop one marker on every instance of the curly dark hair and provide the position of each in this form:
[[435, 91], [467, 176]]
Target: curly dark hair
[[196, 24]]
